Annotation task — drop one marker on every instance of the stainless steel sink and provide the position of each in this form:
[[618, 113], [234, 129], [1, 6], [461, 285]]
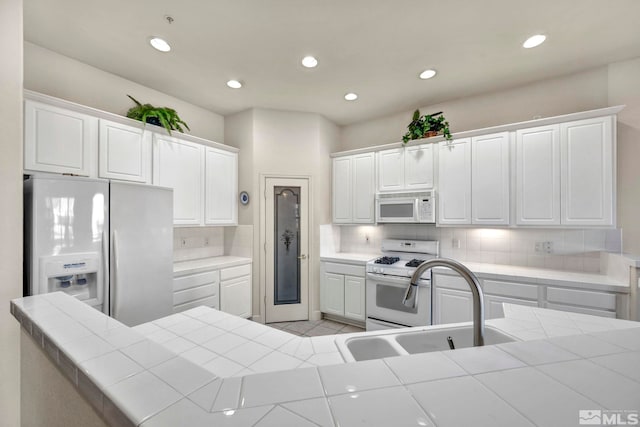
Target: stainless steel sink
[[386, 344]]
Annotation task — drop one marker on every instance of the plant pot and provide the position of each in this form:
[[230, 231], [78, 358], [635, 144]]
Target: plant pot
[[430, 133], [154, 121]]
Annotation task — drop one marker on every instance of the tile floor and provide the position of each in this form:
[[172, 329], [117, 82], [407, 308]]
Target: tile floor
[[315, 328]]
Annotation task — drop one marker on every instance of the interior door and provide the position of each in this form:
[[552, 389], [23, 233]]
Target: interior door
[[287, 249]]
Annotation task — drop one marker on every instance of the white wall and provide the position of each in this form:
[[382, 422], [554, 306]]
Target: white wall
[[578, 92], [284, 143], [11, 218], [624, 88], [53, 74]]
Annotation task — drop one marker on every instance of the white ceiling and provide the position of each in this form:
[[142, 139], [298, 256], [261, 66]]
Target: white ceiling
[[375, 48]]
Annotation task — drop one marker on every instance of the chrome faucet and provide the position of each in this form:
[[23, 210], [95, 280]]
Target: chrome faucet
[[478, 304]]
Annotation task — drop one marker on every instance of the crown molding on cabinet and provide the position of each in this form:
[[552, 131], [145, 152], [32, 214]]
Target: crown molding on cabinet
[[607, 111], [62, 103]]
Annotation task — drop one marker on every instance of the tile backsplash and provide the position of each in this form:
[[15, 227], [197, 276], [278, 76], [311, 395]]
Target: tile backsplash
[[204, 242], [197, 242], [571, 250]]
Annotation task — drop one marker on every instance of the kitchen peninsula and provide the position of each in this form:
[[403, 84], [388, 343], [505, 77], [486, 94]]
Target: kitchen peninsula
[[585, 362]]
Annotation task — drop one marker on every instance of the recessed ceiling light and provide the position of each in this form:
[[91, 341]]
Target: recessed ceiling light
[[534, 41], [427, 74], [234, 84], [159, 44], [351, 96], [309, 62]]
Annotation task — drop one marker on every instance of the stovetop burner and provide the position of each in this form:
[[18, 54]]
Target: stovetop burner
[[388, 260], [414, 262]]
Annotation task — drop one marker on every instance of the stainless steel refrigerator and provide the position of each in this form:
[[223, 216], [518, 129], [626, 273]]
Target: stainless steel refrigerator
[[107, 243]]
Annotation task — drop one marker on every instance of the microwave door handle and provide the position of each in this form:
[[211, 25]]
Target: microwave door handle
[[416, 210]]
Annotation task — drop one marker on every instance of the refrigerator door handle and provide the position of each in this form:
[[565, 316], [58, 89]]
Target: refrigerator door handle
[[114, 282], [105, 275]]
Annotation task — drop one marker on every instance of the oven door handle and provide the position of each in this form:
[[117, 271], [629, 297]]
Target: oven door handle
[[404, 281]]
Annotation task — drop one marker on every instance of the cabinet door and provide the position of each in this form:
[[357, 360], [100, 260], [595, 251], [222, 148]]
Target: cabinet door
[[538, 176], [178, 164], [58, 140], [221, 187], [493, 305], [451, 306], [454, 182], [391, 170], [332, 293], [342, 202], [235, 296], [354, 304], [363, 188], [418, 167], [124, 152], [586, 153], [490, 179]]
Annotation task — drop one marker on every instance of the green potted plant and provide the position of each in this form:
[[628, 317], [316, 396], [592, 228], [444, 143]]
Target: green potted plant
[[159, 116], [427, 126]]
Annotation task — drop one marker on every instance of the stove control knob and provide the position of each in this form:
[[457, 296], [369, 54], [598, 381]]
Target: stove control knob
[[409, 274], [380, 271]]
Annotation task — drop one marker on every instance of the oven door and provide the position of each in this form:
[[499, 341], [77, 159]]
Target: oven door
[[397, 210], [384, 296]]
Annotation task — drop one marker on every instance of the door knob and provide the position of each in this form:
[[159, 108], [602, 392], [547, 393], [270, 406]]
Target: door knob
[[303, 256]]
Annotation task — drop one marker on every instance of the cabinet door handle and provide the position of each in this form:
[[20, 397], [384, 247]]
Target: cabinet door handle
[[303, 256]]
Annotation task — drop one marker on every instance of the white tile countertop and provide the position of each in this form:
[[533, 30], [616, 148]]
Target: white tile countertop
[[206, 264], [348, 257], [544, 276], [582, 363]]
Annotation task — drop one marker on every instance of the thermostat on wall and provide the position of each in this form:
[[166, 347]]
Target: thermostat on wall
[[244, 197]]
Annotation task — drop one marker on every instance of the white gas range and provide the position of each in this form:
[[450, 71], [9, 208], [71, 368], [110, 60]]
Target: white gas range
[[387, 281]]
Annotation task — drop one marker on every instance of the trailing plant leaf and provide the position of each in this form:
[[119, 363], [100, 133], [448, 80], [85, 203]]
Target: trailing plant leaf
[[420, 125], [161, 116]]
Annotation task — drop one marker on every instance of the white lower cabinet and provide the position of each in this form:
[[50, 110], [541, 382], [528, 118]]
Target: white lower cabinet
[[453, 302], [342, 290], [193, 290], [235, 290]]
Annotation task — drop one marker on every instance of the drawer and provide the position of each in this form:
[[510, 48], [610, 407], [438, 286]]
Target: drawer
[[450, 282], [509, 289], [582, 310], [346, 269], [193, 280], [191, 294], [208, 301], [233, 272], [585, 298]]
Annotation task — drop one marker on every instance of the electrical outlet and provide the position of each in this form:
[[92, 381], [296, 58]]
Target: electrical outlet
[[544, 247], [366, 238], [183, 243], [455, 243], [206, 241]]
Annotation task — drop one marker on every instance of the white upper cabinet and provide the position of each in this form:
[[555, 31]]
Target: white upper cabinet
[[586, 164], [391, 169], [124, 152], [363, 188], [490, 179], [342, 206], [59, 140], [565, 174], [418, 166], [221, 187], [354, 189], [454, 182], [406, 168], [538, 176], [178, 164]]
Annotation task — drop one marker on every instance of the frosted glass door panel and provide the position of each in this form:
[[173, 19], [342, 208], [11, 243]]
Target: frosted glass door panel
[[287, 249]]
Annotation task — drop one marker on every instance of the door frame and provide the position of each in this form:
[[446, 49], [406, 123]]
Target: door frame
[[262, 249]]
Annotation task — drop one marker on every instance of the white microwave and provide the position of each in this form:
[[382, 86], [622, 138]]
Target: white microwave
[[406, 207]]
